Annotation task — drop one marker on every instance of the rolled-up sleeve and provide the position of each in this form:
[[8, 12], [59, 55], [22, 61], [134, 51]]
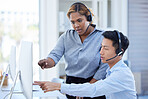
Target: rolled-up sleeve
[[58, 50], [101, 72]]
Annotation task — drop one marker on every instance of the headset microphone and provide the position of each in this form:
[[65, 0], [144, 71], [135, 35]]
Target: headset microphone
[[115, 56], [87, 28], [112, 58], [118, 51], [89, 18]]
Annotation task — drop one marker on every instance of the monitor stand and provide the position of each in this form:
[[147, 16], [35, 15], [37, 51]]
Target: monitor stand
[[4, 75]]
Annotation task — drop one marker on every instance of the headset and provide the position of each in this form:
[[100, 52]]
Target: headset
[[119, 51], [77, 8]]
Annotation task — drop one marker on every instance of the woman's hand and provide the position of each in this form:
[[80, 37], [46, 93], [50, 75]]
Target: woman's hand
[[79, 97], [47, 86], [93, 80], [46, 63]]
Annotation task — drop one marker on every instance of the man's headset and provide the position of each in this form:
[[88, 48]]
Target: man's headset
[[119, 50], [77, 8]]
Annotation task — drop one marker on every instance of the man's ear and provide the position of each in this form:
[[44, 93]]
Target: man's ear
[[122, 50]]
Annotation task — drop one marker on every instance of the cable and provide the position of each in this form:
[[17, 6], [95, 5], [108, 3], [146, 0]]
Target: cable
[[6, 96]]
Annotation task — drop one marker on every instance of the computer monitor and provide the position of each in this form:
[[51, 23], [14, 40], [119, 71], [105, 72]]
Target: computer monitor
[[26, 68], [25, 71], [12, 62], [11, 67]]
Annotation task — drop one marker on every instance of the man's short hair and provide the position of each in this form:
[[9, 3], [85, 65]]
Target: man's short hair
[[113, 36]]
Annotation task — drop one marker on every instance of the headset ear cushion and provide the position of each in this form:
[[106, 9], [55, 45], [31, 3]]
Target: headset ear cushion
[[118, 52], [89, 18]]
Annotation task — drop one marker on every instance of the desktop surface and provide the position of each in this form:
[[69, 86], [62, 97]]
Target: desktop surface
[[37, 92], [36, 95]]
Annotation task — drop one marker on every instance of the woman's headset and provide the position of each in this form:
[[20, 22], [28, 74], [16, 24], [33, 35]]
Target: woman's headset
[[77, 8]]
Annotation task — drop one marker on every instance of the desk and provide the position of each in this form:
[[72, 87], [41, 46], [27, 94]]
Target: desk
[[37, 93], [55, 94]]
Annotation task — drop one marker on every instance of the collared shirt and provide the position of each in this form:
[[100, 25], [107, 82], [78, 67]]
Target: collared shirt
[[82, 59], [119, 84]]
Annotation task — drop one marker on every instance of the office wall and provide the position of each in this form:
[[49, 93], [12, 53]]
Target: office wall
[[138, 36]]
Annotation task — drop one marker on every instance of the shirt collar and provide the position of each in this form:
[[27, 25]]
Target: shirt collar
[[115, 66], [93, 25], [95, 29]]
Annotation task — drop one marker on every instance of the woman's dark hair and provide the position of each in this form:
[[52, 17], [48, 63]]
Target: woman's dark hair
[[80, 8]]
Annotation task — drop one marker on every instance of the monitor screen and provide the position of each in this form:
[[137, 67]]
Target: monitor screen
[[11, 67], [26, 68], [12, 62]]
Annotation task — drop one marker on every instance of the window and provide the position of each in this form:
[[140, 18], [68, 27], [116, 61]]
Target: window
[[19, 20]]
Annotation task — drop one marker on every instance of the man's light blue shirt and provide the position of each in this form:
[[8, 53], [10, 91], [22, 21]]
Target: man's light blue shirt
[[82, 59], [119, 84]]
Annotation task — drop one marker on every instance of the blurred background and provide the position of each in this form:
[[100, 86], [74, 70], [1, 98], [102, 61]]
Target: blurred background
[[43, 21]]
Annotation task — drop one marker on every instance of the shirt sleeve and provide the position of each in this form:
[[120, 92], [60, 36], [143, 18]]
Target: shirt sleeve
[[112, 84], [58, 50], [101, 72]]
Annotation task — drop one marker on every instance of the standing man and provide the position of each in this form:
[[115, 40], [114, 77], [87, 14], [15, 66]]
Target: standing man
[[119, 82]]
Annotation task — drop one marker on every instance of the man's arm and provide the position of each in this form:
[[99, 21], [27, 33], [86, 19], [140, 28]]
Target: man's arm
[[112, 84], [48, 86]]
